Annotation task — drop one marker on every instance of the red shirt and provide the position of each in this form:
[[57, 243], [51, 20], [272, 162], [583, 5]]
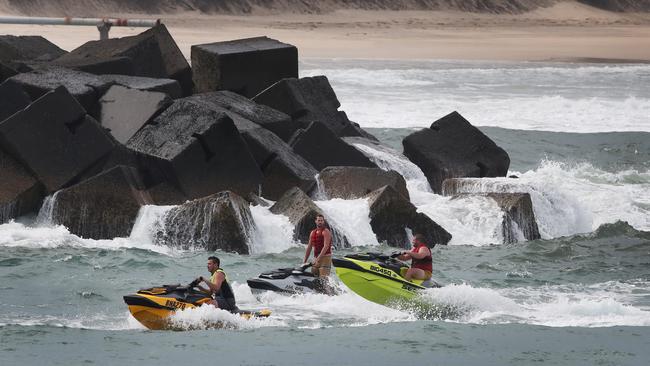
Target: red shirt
[[426, 263], [318, 241]]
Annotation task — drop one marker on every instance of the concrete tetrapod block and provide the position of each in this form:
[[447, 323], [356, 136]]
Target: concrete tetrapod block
[[282, 167], [391, 214], [54, 138], [513, 197], [152, 53], [302, 211], [102, 207], [518, 210], [244, 66], [86, 88], [322, 148], [306, 100], [124, 111], [453, 148], [349, 182], [221, 221], [264, 116], [198, 150], [170, 87], [6, 72], [24, 48], [12, 99], [20, 192]]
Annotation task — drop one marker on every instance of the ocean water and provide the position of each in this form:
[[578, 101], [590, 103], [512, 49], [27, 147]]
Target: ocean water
[[578, 136]]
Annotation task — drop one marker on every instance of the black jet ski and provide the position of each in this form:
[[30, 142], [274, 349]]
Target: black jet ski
[[290, 281]]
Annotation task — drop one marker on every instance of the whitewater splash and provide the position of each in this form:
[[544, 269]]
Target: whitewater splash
[[554, 306], [567, 199], [524, 96]]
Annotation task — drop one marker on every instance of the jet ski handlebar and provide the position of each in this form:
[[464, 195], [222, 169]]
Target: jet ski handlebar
[[194, 283]]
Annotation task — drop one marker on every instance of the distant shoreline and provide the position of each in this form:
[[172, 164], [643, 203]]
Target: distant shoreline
[[567, 32]]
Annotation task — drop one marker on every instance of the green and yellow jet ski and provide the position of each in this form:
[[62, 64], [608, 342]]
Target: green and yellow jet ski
[[154, 306], [379, 278]]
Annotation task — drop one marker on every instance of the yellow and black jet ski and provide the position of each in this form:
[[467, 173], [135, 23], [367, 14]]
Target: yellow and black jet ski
[[154, 306], [379, 278]]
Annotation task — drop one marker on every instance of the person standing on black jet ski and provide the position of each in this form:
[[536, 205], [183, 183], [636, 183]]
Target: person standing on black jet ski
[[218, 286], [421, 260], [321, 240]]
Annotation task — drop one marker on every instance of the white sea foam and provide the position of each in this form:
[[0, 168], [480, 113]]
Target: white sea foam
[[150, 220], [96, 321], [567, 198], [510, 95], [555, 306], [352, 218], [14, 234], [318, 311], [582, 197], [273, 234], [209, 317]]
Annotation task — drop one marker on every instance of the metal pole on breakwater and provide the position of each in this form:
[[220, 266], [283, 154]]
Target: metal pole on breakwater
[[103, 24]]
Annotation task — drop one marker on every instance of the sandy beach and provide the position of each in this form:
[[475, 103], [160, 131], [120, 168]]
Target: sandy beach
[[565, 32]]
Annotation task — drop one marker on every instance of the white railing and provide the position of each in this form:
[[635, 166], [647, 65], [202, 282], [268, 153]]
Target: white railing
[[103, 24]]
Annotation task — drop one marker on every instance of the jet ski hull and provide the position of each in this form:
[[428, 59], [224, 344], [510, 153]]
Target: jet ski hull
[[154, 307], [290, 281], [377, 283]]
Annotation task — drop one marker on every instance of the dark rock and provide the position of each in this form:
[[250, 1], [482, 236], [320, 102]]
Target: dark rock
[[6, 72], [518, 210], [451, 148], [12, 99], [264, 116], [170, 87], [354, 130], [356, 182], [22, 48], [322, 148], [152, 53], [102, 207], [433, 232], [124, 111], [86, 88], [105, 64], [256, 200], [456, 186], [164, 194], [306, 100], [220, 221], [55, 139], [20, 192], [302, 211], [511, 197], [244, 66], [391, 214], [198, 150], [282, 168]]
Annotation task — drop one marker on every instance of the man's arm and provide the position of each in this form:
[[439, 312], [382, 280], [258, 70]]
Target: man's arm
[[327, 239], [308, 250], [405, 256], [215, 287], [422, 253]]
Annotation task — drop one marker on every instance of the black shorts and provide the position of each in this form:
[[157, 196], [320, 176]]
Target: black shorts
[[226, 304]]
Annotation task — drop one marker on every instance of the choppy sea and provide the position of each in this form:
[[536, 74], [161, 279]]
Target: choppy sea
[[578, 136]]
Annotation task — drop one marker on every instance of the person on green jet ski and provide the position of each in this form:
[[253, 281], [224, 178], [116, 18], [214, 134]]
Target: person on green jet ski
[[421, 260], [222, 295]]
